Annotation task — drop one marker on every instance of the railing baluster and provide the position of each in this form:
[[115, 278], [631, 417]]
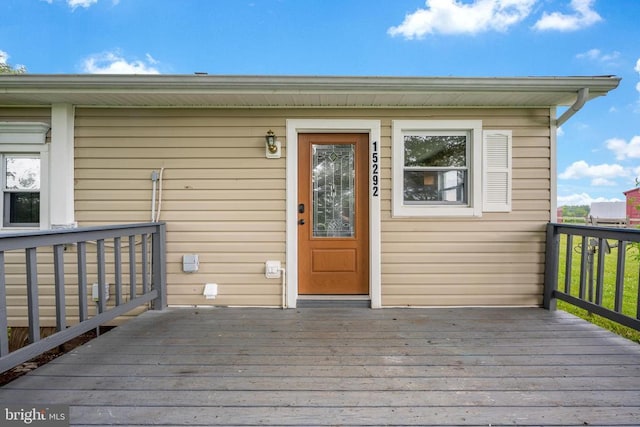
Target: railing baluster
[[32, 295], [145, 261], [600, 278], [568, 265], [622, 246], [132, 267], [638, 298], [4, 325], [58, 268], [117, 260], [83, 313], [102, 278], [584, 261]]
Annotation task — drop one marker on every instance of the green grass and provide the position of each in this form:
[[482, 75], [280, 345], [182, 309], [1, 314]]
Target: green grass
[[631, 278]]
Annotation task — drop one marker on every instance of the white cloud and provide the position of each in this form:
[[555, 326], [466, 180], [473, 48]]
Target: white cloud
[[582, 17], [456, 17], [622, 150], [598, 56], [580, 199], [4, 56], [600, 174], [73, 4], [559, 132], [114, 63]]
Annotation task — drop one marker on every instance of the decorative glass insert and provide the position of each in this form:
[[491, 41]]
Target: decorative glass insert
[[435, 168], [333, 176]]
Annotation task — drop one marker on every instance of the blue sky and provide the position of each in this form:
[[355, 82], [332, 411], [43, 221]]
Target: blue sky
[[598, 149]]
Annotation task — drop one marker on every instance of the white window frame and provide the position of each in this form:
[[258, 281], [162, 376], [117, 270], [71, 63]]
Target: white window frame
[[473, 207], [26, 139]]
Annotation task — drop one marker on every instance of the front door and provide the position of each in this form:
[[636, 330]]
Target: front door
[[333, 214]]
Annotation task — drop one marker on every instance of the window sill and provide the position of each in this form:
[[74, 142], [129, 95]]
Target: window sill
[[404, 211]]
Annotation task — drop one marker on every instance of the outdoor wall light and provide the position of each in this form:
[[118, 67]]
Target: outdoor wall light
[[273, 146]]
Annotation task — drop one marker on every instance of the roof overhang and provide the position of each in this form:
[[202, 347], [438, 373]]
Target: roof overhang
[[92, 90]]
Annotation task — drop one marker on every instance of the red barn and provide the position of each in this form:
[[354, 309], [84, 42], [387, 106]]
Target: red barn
[[633, 206]]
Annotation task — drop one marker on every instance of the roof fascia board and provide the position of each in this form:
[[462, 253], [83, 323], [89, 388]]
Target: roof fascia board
[[181, 83]]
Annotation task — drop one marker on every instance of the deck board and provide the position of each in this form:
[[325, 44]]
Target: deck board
[[345, 366]]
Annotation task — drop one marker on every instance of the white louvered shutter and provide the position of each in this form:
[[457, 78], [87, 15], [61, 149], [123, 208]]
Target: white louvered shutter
[[497, 171]]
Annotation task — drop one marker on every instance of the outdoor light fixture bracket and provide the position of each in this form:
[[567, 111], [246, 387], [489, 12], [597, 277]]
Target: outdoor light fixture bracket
[[273, 146]]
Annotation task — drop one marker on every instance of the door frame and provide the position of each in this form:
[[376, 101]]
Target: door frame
[[294, 127]]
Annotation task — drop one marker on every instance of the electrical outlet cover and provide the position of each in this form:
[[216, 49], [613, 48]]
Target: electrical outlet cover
[[272, 270]]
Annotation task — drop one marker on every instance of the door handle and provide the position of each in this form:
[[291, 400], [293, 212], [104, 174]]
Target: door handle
[[301, 221], [301, 208]]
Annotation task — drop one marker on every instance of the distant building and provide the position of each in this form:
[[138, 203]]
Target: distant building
[[633, 206], [608, 213]]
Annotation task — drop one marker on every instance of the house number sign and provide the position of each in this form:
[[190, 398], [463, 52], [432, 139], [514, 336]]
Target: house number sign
[[375, 170]]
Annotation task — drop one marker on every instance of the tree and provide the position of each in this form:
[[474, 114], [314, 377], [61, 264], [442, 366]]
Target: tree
[[6, 68]]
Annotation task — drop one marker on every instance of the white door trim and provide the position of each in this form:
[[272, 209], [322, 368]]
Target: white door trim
[[294, 127]]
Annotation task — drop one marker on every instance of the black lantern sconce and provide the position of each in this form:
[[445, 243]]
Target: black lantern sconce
[[272, 149]]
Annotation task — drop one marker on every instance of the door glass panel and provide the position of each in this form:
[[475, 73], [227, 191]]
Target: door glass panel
[[333, 190]]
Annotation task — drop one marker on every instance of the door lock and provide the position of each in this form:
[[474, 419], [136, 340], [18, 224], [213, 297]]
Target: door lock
[[301, 221], [301, 208]]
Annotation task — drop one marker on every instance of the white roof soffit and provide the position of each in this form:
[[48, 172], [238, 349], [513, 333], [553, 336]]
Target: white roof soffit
[[296, 91]]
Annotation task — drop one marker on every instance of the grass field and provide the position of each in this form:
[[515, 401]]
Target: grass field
[[631, 279]]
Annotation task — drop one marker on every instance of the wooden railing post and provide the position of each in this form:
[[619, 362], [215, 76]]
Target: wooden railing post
[[551, 267], [159, 261]]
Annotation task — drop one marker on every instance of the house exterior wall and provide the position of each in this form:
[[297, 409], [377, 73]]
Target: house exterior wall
[[223, 200], [633, 203]]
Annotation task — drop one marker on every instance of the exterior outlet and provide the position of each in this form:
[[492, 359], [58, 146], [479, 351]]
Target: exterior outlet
[[95, 294], [273, 270], [190, 263]]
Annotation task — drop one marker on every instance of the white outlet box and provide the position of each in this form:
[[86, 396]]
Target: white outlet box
[[95, 295], [272, 270], [190, 263]]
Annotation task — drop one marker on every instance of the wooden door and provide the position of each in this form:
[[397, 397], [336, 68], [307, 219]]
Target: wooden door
[[333, 214]]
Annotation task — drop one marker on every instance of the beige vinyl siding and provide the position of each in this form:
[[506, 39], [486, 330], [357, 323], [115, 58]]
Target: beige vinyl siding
[[222, 199], [497, 259]]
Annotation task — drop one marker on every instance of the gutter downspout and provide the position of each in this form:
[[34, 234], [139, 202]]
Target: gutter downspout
[[583, 95]]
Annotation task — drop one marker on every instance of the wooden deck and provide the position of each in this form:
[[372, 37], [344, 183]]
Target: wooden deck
[[345, 366]]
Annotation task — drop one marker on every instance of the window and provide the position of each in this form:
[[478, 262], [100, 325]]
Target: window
[[450, 168], [23, 162], [21, 190], [436, 169]]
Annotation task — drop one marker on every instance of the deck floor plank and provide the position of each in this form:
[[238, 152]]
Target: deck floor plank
[[345, 366]]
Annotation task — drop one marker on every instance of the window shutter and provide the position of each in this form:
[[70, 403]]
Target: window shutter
[[496, 182]]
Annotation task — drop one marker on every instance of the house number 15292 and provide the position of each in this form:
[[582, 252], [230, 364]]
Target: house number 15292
[[375, 170]]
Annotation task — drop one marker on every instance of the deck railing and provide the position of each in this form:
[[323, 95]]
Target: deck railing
[[146, 280], [597, 289]]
